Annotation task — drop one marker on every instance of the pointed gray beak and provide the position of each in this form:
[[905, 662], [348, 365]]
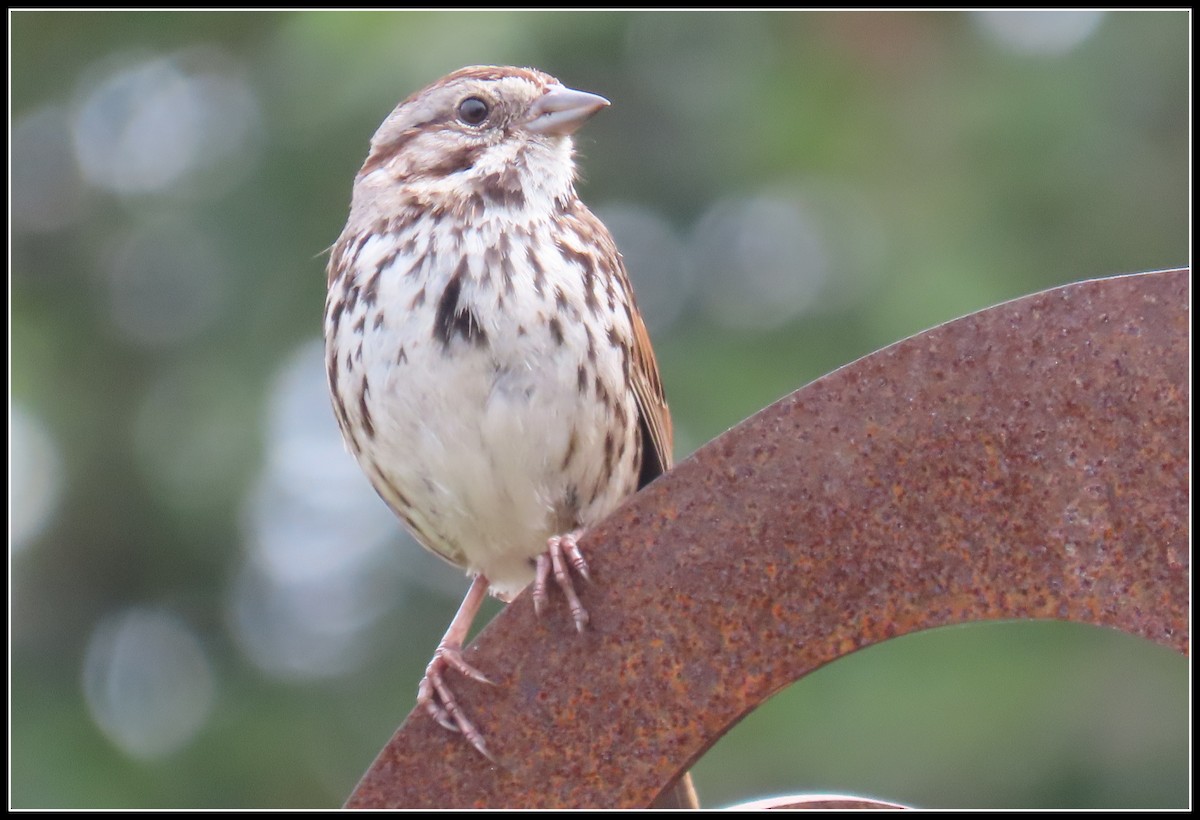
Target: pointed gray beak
[[562, 110]]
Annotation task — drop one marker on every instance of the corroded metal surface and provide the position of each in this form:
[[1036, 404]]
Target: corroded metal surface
[[1027, 461]]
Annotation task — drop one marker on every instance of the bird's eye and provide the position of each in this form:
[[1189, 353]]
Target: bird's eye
[[473, 111]]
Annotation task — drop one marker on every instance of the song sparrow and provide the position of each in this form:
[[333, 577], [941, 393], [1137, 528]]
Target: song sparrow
[[487, 362]]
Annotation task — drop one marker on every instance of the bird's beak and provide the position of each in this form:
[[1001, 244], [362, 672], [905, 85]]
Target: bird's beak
[[560, 111]]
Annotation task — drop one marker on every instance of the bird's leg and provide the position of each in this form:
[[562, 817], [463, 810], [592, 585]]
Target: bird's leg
[[562, 551], [433, 692]]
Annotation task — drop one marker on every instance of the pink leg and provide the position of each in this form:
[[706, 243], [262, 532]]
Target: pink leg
[[561, 551], [433, 692]]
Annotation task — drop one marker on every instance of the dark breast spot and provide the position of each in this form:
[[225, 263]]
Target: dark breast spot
[[335, 314], [535, 264], [371, 291], [418, 299], [454, 319], [364, 412], [610, 447]]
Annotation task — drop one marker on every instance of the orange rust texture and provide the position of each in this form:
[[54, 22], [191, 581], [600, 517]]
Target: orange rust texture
[[1027, 461]]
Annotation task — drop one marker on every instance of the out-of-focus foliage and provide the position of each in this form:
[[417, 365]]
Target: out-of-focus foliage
[[210, 607]]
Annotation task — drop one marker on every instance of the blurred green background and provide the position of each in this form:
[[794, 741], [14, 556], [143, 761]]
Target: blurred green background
[[209, 606]]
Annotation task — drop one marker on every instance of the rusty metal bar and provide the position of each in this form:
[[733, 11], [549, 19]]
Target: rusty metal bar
[[1026, 461]]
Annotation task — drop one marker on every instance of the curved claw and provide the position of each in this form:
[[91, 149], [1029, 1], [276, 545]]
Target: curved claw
[[561, 551], [435, 695]]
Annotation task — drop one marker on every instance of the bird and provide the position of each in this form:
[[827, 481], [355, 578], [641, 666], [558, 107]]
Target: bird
[[487, 362]]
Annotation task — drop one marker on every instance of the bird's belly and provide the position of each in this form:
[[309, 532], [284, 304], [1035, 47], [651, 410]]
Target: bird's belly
[[488, 451]]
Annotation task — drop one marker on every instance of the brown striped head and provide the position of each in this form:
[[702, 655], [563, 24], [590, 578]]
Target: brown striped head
[[476, 129]]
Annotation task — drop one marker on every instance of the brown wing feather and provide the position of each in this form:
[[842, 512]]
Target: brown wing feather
[[655, 417]]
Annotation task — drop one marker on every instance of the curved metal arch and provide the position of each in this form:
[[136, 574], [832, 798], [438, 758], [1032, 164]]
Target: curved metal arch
[[1026, 461]]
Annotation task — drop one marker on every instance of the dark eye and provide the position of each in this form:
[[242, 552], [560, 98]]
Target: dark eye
[[473, 111]]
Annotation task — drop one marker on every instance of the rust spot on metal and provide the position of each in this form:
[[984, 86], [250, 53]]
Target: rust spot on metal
[[1027, 461]]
